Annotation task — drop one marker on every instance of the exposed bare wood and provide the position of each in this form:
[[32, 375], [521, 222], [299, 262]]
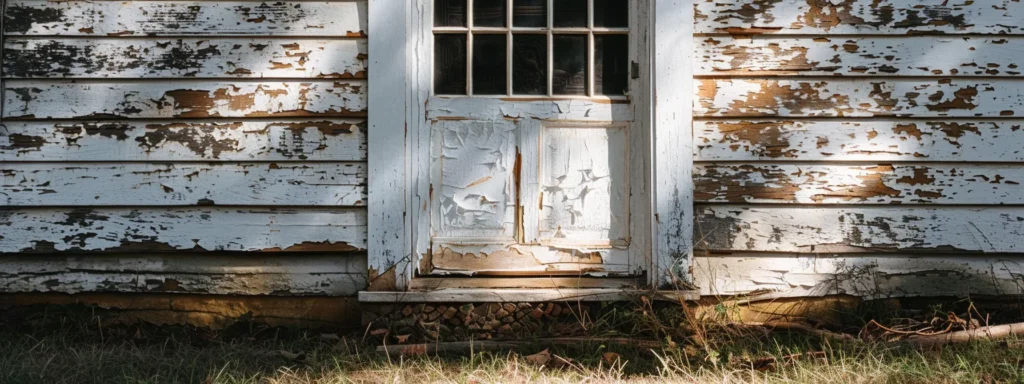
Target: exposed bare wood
[[302, 274], [860, 229], [490, 258], [179, 58], [140, 184], [433, 283], [184, 140], [874, 140], [178, 229], [876, 184], [764, 276], [859, 56], [850, 97], [193, 99], [115, 18], [858, 16]]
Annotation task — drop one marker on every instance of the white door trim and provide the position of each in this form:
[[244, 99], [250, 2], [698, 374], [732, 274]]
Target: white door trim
[[399, 177]]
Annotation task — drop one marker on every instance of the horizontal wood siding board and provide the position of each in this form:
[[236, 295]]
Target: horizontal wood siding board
[[184, 140], [183, 184], [859, 140], [302, 274], [205, 18], [834, 230], [41, 99], [858, 17], [859, 56], [850, 97], [956, 183], [168, 229], [871, 276], [184, 58]]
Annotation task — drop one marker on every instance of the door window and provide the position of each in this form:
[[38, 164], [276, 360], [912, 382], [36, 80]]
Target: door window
[[531, 47]]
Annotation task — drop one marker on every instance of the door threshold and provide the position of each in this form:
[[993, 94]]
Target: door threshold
[[524, 295]]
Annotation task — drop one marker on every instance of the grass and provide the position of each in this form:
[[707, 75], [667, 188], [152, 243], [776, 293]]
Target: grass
[[85, 351]]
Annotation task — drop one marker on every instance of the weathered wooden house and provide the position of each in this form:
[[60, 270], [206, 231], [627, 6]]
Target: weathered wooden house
[[197, 158]]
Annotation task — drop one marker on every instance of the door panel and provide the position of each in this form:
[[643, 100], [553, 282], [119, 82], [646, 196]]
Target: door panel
[[584, 185], [475, 180]]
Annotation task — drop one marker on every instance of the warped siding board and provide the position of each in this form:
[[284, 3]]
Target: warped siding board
[[149, 18], [182, 229], [183, 99], [858, 17], [300, 274], [957, 183], [871, 276], [863, 140], [859, 56], [175, 184], [849, 97], [182, 58], [859, 229], [184, 140]]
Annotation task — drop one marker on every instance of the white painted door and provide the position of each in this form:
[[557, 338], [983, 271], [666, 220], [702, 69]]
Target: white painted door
[[536, 159]]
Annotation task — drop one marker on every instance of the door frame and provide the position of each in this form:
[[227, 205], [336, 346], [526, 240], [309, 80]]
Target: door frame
[[398, 227]]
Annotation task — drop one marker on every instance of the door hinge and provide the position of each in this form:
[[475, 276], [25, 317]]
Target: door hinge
[[634, 70]]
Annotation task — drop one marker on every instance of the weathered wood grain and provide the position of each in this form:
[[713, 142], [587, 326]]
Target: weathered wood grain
[[290, 275], [182, 229], [858, 16], [874, 140], [189, 57], [859, 229], [513, 259], [871, 184], [191, 99], [850, 97], [869, 276], [461, 108], [860, 56], [184, 140], [116, 18], [174, 184]]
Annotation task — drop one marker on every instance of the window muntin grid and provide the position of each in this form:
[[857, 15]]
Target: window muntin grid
[[578, 59]]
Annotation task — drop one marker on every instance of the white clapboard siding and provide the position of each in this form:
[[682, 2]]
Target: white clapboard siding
[[142, 18], [198, 229], [954, 183], [859, 229], [858, 16], [184, 57], [184, 140], [296, 274], [860, 56], [872, 276], [859, 140], [169, 184], [852, 97], [183, 99]]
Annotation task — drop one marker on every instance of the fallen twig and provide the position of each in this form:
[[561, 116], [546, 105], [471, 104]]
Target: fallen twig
[[984, 333], [465, 347]]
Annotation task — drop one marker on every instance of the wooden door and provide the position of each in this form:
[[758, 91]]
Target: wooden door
[[536, 160]]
